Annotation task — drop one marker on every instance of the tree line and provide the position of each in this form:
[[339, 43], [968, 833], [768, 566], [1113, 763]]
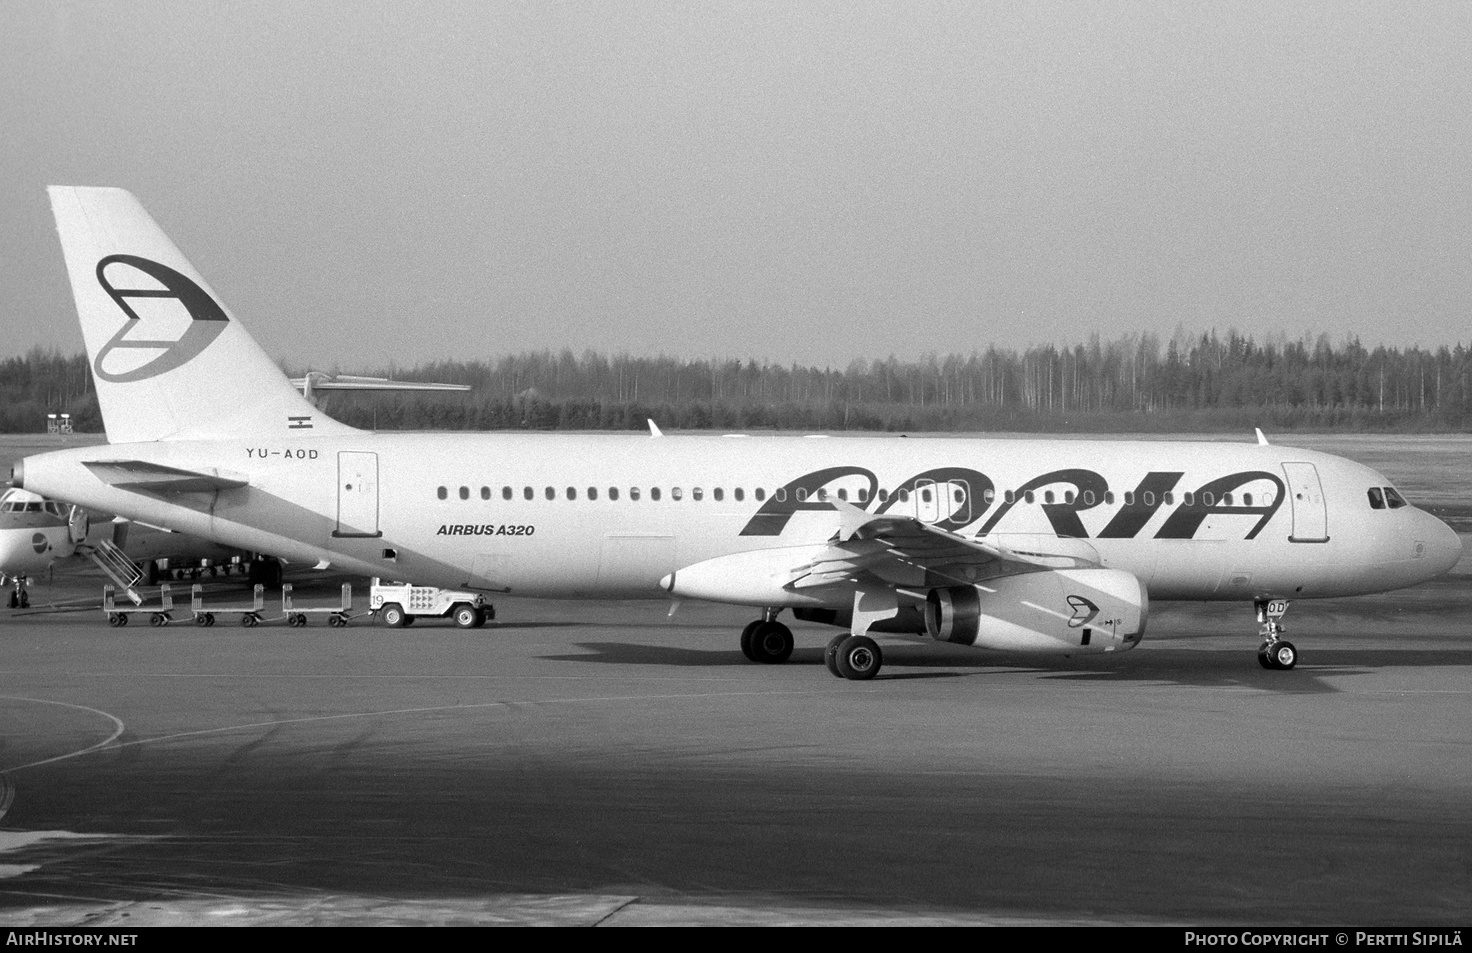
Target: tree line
[[1136, 382]]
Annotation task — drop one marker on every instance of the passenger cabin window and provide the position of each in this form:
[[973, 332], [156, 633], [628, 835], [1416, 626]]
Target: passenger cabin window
[[1129, 497], [1246, 499], [442, 493], [989, 496], [676, 493], [1028, 496], [485, 493], [528, 492], [592, 493], [634, 494], [718, 494], [654, 492], [1393, 499], [572, 493], [740, 494], [843, 494], [781, 495], [1377, 498], [1048, 496], [1108, 497], [697, 494], [550, 492], [465, 493], [761, 494], [1189, 498], [613, 493], [863, 495], [505, 492], [1170, 498]]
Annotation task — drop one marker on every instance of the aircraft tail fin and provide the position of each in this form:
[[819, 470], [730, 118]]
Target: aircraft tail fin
[[169, 361]]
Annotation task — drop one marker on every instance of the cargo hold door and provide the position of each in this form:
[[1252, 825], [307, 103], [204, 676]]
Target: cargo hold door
[[357, 494]]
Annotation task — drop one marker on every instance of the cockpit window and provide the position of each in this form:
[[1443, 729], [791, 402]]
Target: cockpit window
[[1393, 499], [1377, 498]]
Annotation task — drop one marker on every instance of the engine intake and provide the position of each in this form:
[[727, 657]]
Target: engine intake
[[1061, 611]]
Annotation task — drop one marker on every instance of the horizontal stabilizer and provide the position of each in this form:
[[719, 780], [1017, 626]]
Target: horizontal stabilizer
[[316, 380], [142, 477]]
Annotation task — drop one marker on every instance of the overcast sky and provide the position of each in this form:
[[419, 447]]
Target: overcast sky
[[374, 182]]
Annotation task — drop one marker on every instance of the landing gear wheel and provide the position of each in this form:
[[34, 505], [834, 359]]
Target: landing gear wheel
[[830, 654], [1283, 654], [858, 658], [393, 616], [771, 643], [466, 616], [746, 639], [14, 600], [1263, 658], [25, 599]]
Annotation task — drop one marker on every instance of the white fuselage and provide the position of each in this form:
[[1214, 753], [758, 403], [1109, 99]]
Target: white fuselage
[[1190, 520]]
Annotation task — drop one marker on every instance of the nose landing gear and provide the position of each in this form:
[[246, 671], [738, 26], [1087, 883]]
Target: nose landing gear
[[20, 596], [1275, 652]]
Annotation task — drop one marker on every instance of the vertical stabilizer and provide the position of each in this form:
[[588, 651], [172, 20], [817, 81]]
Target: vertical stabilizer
[[170, 362]]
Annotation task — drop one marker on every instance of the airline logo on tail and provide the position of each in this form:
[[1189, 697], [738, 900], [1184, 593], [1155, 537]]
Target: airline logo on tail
[[169, 319]]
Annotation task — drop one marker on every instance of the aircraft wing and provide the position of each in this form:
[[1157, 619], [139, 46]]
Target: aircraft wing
[[140, 476], [902, 551]]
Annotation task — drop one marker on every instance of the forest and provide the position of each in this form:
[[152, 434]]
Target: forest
[[1133, 383]]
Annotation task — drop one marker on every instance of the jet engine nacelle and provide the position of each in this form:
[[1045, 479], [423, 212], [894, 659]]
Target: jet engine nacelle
[[1061, 611]]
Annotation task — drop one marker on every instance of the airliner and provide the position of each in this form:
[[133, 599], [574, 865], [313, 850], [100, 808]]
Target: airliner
[[1022, 545]]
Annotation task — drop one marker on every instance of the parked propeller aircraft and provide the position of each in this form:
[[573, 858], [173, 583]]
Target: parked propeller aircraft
[[37, 534], [1051, 546]]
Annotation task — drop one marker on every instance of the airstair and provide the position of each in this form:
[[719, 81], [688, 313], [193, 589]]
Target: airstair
[[116, 565]]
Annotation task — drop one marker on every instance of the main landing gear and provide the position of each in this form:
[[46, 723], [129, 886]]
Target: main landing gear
[[766, 640], [855, 657], [1275, 651]]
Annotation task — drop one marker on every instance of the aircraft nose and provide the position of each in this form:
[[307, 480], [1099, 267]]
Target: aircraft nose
[[23, 551]]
